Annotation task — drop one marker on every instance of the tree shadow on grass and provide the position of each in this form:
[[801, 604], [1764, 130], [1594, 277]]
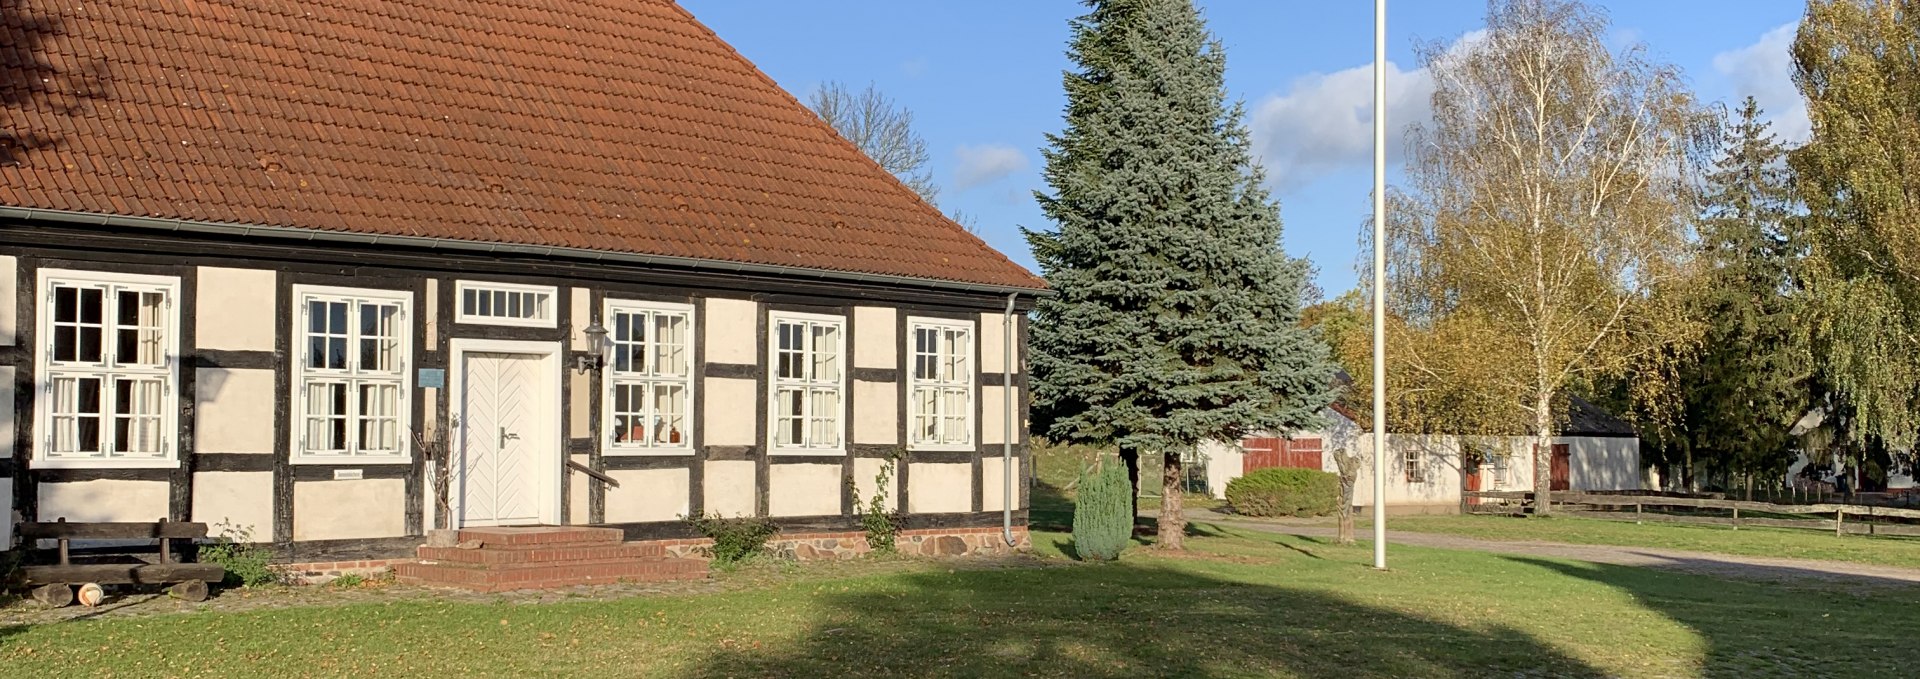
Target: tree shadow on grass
[[1127, 620], [1818, 627]]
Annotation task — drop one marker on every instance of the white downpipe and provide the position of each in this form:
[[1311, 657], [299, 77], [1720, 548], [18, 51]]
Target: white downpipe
[[1007, 498], [1379, 284]]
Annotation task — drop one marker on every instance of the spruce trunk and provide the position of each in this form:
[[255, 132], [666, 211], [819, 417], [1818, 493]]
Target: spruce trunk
[[1132, 458], [1173, 524]]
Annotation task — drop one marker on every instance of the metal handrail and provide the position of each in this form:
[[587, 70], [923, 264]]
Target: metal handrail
[[596, 474]]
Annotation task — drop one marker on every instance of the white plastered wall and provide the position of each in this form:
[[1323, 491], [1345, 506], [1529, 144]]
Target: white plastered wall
[[104, 500], [233, 504], [875, 342], [233, 411], [235, 309], [7, 396], [866, 470], [993, 485], [732, 331], [648, 495], [876, 416], [9, 299], [333, 510], [993, 337], [993, 414], [578, 485], [728, 488], [939, 487], [731, 412], [803, 489]]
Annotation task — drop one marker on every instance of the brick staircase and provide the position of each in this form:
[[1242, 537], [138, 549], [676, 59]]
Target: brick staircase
[[546, 557]]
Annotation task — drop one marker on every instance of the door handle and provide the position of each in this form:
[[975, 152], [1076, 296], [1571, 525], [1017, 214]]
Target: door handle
[[505, 437]]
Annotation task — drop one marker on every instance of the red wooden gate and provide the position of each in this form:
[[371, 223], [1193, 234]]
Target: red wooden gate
[[1561, 467], [1261, 452]]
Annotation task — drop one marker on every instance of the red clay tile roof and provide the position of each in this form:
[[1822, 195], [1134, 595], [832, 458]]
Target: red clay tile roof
[[614, 125]]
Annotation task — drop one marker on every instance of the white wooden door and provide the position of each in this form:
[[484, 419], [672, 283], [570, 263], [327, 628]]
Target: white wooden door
[[502, 439]]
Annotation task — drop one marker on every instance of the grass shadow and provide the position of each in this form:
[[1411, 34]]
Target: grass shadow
[[1757, 629], [1128, 619]]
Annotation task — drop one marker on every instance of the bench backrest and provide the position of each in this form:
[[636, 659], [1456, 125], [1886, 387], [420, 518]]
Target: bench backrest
[[55, 530]]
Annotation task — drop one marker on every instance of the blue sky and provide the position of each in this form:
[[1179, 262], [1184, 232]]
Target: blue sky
[[983, 81]]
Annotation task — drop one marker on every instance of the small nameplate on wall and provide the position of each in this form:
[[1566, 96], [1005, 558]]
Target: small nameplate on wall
[[433, 378], [349, 474]]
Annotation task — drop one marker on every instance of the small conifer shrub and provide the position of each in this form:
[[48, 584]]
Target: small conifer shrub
[[1102, 511]]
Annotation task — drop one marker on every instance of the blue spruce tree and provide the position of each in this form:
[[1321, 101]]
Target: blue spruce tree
[[1176, 319]]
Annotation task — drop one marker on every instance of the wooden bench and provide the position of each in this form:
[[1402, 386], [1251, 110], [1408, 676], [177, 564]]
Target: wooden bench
[[53, 583]]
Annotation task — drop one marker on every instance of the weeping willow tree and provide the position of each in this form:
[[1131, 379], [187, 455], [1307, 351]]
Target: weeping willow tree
[[1857, 65], [1544, 228]]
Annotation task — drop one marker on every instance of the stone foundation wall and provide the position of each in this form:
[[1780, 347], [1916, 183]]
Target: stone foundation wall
[[323, 572], [853, 544]]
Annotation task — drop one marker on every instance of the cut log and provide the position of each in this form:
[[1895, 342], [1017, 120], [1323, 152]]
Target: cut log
[[126, 574], [55, 595], [191, 590]]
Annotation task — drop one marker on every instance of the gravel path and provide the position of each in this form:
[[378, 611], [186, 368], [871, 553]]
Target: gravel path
[[1723, 565]]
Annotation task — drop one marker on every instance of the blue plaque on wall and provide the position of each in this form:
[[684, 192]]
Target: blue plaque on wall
[[433, 378]]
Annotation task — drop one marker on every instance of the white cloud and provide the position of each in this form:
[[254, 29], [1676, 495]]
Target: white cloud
[[1764, 70], [1323, 123], [986, 164]]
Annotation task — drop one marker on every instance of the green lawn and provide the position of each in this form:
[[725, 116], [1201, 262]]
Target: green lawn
[[1244, 604], [1779, 542]]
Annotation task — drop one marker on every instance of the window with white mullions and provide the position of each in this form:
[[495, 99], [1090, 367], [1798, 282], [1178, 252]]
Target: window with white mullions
[[108, 368], [940, 386], [351, 394], [649, 377], [808, 381], [505, 304]]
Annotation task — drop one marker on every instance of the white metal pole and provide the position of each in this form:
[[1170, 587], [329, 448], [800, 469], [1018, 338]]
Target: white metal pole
[[1379, 284]]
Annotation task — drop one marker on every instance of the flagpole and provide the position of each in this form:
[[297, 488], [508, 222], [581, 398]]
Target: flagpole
[[1379, 284]]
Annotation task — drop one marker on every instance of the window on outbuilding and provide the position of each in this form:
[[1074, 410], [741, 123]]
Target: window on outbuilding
[[649, 379], [350, 391], [108, 366], [808, 382], [940, 384]]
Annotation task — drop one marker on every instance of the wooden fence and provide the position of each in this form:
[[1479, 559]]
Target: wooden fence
[[1847, 518]]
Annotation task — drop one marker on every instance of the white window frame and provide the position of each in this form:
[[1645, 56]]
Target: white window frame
[[970, 382], [609, 380], [775, 382], [460, 314], [45, 369], [297, 417]]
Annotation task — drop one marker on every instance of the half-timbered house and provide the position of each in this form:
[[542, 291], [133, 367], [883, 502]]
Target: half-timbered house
[[284, 266]]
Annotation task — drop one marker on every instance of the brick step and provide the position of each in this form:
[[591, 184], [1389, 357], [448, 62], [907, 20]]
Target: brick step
[[542, 553], [546, 576], [527, 565], [543, 536]]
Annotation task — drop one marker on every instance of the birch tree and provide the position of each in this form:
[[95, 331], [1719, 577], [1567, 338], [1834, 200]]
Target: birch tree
[[1544, 222], [882, 129], [1857, 62]]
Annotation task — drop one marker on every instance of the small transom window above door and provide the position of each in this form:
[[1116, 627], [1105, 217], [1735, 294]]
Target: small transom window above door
[[488, 303], [808, 383], [648, 379], [108, 366], [351, 390], [940, 384]]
